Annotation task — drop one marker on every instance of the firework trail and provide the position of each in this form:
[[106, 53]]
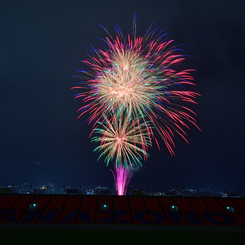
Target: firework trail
[[122, 175]]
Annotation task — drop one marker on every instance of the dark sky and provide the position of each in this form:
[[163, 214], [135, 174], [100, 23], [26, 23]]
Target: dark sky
[[41, 43]]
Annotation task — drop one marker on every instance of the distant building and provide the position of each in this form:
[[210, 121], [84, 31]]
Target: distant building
[[90, 192], [4, 190], [37, 191], [233, 194], [73, 192], [102, 191], [188, 193], [138, 193]]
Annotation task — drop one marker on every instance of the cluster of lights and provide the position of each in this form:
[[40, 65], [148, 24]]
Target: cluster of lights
[[228, 208]]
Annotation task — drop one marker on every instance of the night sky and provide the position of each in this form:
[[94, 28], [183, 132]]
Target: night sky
[[41, 140]]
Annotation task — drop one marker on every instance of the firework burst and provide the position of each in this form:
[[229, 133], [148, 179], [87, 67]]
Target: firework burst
[[137, 75], [122, 139]]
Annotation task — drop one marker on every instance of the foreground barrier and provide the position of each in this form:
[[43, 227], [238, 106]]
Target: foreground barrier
[[63, 209]]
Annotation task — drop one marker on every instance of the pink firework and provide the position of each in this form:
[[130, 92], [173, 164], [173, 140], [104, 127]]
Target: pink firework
[[122, 175]]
